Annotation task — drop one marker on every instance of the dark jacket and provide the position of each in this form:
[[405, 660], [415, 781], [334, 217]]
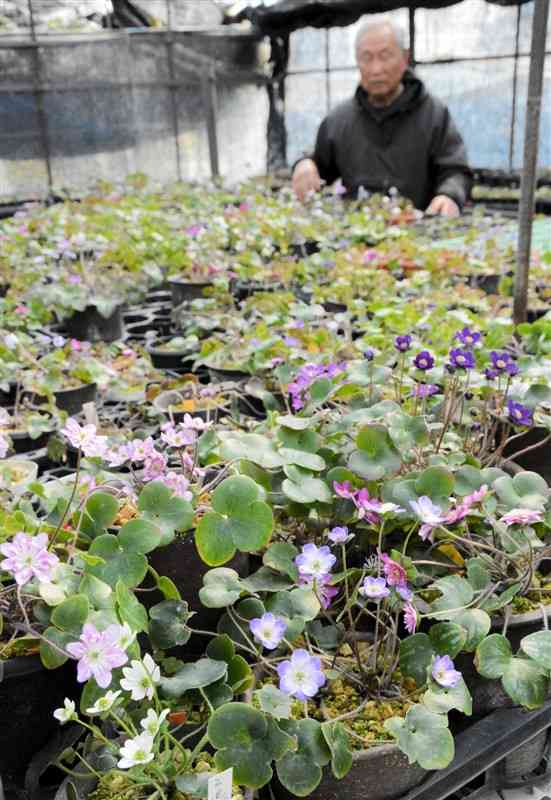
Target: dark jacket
[[412, 145]]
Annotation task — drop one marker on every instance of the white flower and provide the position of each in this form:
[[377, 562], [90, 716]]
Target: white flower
[[140, 678], [136, 751], [127, 636], [104, 703], [153, 721], [67, 713]]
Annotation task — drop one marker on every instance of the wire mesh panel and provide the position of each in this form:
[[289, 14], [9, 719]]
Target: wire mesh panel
[[544, 156]]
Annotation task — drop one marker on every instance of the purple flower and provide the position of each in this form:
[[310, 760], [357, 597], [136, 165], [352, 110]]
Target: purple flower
[[467, 337], [98, 653], [291, 341], [462, 359], [444, 673], [268, 630], [315, 562], [521, 516], [500, 360], [410, 617], [344, 489], [369, 354], [424, 390], [374, 588], [368, 507], [491, 374], [405, 592], [512, 369], [301, 676], [519, 414], [323, 588], [402, 343], [395, 574], [424, 360], [338, 535], [27, 557], [430, 515]]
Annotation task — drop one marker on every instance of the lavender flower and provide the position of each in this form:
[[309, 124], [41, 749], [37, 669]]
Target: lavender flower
[[268, 630], [154, 466], [98, 653], [424, 360], [402, 343], [405, 592], [178, 484], [467, 337], [369, 354], [315, 562], [521, 516], [500, 360], [512, 369], [461, 359], [424, 390], [374, 588], [179, 436], [338, 535], [27, 557], [430, 515], [519, 414], [444, 673], [301, 676]]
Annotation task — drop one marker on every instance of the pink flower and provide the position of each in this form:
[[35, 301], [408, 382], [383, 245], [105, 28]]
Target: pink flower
[[344, 489], [177, 437], [139, 450], [74, 279], [98, 653], [395, 574], [154, 466], [463, 509], [28, 557], [195, 423], [76, 346], [410, 618], [84, 438], [4, 446], [324, 591], [21, 309], [179, 485], [367, 506], [476, 497], [117, 455], [521, 516]]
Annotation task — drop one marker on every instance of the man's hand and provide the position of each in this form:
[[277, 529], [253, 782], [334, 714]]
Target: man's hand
[[443, 206], [306, 178]]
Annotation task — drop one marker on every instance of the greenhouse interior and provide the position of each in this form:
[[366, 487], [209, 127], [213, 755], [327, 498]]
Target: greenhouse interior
[[275, 399]]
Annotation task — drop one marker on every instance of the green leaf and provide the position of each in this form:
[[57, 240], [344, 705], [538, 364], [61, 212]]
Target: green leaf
[[525, 682], [478, 574], [240, 675], [266, 580], [301, 487], [71, 614], [455, 592], [538, 647], [221, 649], [492, 656], [281, 556], [448, 638], [416, 653], [221, 587], [441, 699], [168, 626], [100, 512], [168, 588], [476, 623], [195, 675], [252, 447], [247, 741], [300, 771], [296, 423], [376, 456], [424, 737], [194, 784], [119, 563], [525, 490], [302, 458], [341, 758], [130, 609], [275, 702], [50, 656], [139, 536], [165, 510], [213, 543], [98, 592], [436, 483]]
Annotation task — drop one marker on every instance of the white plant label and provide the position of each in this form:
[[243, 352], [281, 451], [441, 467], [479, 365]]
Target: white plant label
[[220, 786]]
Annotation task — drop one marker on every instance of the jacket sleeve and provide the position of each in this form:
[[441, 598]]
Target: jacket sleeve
[[451, 171], [323, 155]]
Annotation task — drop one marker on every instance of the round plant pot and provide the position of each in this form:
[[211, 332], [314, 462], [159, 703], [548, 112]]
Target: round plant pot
[[24, 443], [176, 360], [29, 694], [334, 308], [488, 283], [72, 400], [241, 290], [526, 758], [7, 398], [380, 773], [185, 291], [537, 460], [166, 400], [90, 326], [181, 562]]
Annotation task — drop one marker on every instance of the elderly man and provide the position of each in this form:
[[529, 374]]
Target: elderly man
[[392, 133]]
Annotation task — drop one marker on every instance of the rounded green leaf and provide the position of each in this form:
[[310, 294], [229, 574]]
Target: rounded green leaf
[[168, 626], [194, 675], [221, 587], [101, 510], [300, 771], [493, 654], [50, 654], [213, 541], [442, 699], [538, 647], [167, 511], [448, 638], [302, 458], [525, 682], [129, 567], [416, 653], [424, 737], [129, 608], [235, 493], [221, 648], [436, 483], [341, 757], [98, 592], [71, 614], [456, 593], [274, 702], [139, 536], [476, 623]]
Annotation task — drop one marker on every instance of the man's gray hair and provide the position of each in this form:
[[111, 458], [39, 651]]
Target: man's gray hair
[[382, 22]]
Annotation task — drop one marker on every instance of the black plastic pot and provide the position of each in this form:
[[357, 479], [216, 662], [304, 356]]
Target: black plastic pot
[[176, 360], [72, 400], [23, 443], [220, 375], [380, 773], [241, 290], [185, 291], [8, 398], [334, 308], [89, 325], [488, 283], [181, 562], [29, 694], [537, 460], [165, 400]]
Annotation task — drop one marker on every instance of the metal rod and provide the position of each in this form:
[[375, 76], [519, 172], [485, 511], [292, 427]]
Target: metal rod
[[210, 97], [327, 73], [531, 142], [39, 98], [412, 35], [173, 90], [515, 84]]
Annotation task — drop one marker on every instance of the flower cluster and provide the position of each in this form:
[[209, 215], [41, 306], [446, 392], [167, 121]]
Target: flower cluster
[[298, 389]]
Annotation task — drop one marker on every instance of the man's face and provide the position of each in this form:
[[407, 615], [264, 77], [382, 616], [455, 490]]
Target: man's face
[[381, 62]]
